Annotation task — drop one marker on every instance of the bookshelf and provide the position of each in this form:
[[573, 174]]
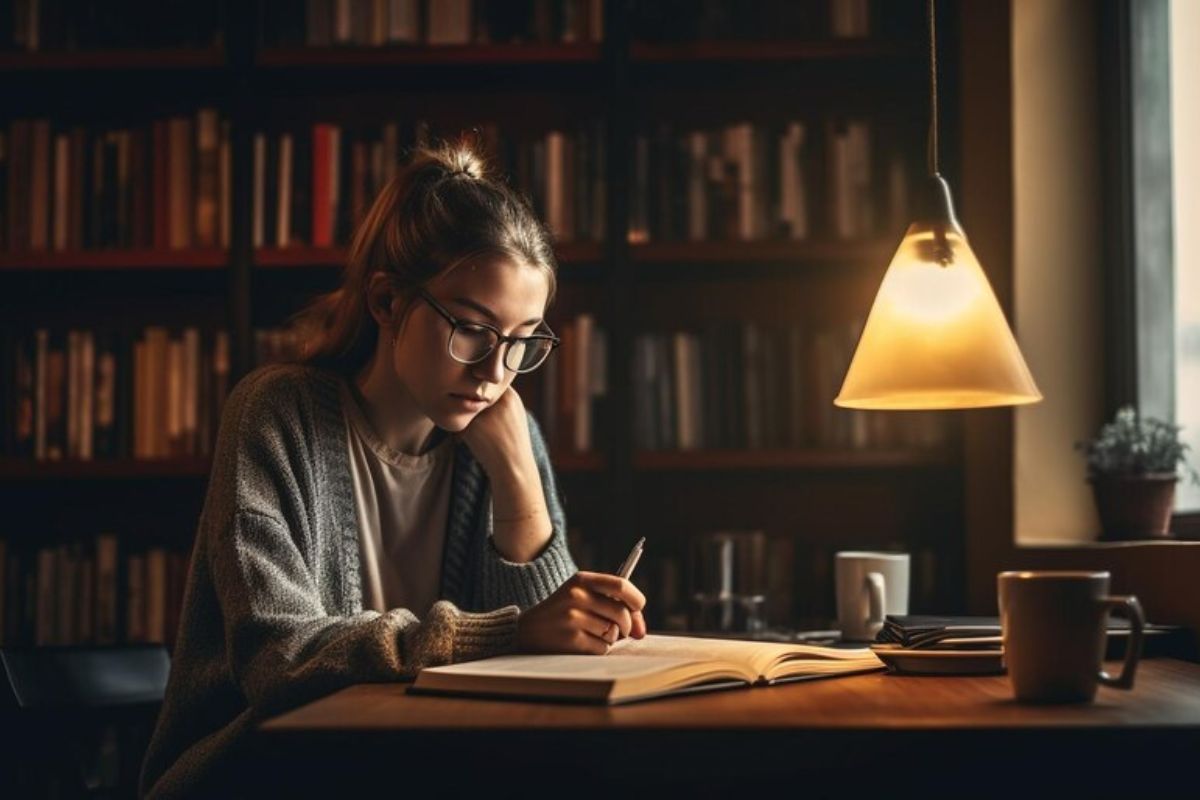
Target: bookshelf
[[812, 496]]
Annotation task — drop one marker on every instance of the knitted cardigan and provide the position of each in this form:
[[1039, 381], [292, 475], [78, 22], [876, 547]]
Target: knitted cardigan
[[272, 614]]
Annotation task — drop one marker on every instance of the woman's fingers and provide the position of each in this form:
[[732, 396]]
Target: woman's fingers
[[611, 610], [639, 625], [613, 586], [593, 625]]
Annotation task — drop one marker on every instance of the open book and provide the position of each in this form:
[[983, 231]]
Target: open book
[[638, 669]]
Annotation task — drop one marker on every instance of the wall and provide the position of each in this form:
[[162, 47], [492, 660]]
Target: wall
[[1058, 285]]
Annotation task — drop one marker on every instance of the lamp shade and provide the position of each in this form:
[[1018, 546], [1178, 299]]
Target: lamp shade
[[936, 337]]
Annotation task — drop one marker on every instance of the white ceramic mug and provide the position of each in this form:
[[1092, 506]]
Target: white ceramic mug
[[869, 587]]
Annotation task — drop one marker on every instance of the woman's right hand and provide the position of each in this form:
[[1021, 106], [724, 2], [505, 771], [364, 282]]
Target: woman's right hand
[[587, 614]]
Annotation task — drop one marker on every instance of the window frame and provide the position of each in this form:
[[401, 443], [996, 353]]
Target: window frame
[[1135, 107]]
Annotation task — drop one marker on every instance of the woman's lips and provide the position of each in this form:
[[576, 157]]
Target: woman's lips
[[470, 402]]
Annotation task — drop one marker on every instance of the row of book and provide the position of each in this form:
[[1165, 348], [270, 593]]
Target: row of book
[[90, 593], [37, 25], [745, 385], [750, 181], [687, 20], [96, 394], [165, 184], [313, 184], [380, 23]]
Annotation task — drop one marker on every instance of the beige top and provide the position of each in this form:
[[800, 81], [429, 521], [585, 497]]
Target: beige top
[[401, 501]]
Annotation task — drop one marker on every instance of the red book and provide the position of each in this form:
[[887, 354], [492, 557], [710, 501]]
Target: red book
[[322, 181]]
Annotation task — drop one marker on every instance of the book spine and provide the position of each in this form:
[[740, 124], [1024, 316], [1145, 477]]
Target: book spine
[[106, 589], [207, 198]]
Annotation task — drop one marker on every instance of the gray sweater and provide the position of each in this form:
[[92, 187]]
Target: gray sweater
[[272, 614]]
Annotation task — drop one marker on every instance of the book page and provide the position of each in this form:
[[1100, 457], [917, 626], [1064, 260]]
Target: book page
[[762, 658], [567, 667]]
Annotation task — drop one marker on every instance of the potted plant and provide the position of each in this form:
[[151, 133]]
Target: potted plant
[[1133, 466]]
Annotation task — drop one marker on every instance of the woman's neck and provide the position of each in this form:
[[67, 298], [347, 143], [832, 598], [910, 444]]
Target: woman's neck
[[391, 410]]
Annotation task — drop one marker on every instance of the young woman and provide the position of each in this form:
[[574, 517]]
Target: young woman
[[388, 504]]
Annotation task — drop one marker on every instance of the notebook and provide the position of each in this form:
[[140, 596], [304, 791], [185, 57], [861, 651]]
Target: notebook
[[916, 631], [639, 669]]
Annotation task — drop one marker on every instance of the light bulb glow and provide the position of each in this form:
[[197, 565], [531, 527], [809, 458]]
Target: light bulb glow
[[926, 291]]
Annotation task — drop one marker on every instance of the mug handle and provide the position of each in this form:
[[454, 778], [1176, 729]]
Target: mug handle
[[873, 583], [1133, 650]]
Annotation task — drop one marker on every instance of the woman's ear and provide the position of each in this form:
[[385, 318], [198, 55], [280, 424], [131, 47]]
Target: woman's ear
[[384, 301]]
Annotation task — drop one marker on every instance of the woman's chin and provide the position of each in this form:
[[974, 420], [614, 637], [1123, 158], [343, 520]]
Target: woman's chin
[[455, 421]]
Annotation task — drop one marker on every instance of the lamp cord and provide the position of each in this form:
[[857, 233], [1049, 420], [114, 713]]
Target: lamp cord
[[932, 155]]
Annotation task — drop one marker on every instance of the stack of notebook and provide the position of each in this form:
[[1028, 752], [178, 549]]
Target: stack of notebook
[[973, 645], [971, 633]]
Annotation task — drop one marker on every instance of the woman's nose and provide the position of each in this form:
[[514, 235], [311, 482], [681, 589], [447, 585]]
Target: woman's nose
[[491, 369]]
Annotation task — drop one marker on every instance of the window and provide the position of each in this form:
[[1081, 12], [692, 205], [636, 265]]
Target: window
[[1185, 183], [1151, 107]]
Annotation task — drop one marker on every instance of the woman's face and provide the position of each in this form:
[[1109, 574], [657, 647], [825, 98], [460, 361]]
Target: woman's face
[[504, 294]]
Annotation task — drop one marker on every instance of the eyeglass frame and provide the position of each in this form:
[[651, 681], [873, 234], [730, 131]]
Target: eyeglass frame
[[501, 339]]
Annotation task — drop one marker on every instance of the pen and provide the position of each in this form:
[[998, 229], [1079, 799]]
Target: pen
[[631, 560], [625, 570]]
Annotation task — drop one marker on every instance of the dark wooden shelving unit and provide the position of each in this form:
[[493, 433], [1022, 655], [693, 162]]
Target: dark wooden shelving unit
[[455, 55], [105, 260], [764, 252], [12, 469], [922, 487], [200, 58], [768, 50], [776, 459], [335, 257]]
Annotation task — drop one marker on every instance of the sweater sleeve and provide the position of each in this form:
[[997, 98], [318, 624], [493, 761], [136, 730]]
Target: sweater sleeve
[[527, 584], [284, 649], [284, 644]]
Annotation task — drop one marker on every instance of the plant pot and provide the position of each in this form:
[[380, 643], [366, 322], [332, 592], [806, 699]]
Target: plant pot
[[1135, 506]]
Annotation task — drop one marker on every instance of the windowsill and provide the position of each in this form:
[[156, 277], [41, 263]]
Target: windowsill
[[1068, 545]]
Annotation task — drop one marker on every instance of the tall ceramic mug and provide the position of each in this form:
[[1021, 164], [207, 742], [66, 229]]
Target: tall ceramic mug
[[869, 587], [1054, 625]]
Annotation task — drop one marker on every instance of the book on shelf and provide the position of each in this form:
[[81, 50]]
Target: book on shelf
[[86, 394], [164, 184], [753, 181], [363, 23], [749, 385], [571, 386], [45, 25], [312, 184], [656, 666], [81, 592]]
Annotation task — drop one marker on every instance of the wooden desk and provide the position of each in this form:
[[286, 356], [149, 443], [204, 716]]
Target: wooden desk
[[868, 729]]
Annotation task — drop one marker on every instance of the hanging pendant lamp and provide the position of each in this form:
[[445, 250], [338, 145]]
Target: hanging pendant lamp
[[936, 337]]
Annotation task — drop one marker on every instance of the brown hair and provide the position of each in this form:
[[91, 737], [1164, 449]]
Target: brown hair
[[440, 210]]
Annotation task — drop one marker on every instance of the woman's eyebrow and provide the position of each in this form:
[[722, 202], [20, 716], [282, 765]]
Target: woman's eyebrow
[[463, 301]]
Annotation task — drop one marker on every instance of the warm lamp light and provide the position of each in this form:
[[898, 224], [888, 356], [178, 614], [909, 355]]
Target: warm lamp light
[[936, 337]]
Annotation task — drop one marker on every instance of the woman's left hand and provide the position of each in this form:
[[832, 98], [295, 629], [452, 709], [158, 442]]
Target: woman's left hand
[[499, 435]]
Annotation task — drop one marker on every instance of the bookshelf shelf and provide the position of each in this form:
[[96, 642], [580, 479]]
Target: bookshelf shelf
[[303, 256], [149, 60], [136, 469], [457, 55], [574, 461], [122, 469], [785, 50], [765, 252], [206, 258], [817, 459]]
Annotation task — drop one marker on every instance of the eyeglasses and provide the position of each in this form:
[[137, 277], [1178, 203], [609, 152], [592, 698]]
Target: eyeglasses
[[472, 342]]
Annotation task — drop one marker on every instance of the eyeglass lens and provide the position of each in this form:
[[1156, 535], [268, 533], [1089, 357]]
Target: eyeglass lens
[[470, 343]]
